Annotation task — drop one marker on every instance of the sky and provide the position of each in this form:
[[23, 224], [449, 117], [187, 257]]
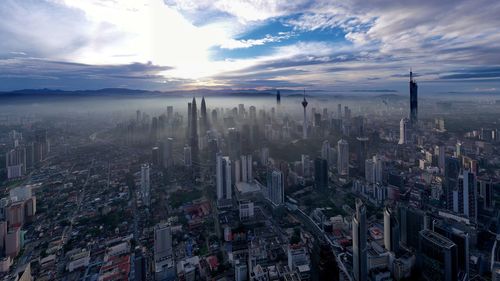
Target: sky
[[347, 45]]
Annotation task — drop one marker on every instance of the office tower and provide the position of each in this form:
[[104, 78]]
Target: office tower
[[205, 126], [339, 111], [276, 187], [223, 177], [359, 249], [194, 131], [320, 173], [278, 97], [362, 150], [437, 257], [304, 125], [306, 166], [214, 116], [413, 101], [404, 132], [246, 168], [327, 152], [450, 183], [154, 130], [155, 156], [343, 157], [145, 184], [137, 116], [189, 116], [167, 154], [391, 230], [411, 222], [486, 192], [370, 171], [170, 112], [458, 149], [461, 239], [378, 168], [465, 196], [440, 152], [164, 265], [188, 156], [234, 143], [264, 156]]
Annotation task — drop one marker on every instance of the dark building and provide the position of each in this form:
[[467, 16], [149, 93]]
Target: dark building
[[413, 101], [411, 222], [391, 230], [450, 183], [359, 249], [461, 239], [278, 97], [437, 257], [320, 173]]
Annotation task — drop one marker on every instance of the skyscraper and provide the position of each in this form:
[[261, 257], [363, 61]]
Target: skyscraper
[[461, 239], [437, 257], [359, 249], [343, 157], [276, 187], [404, 135], [194, 131], [450, 183], [223, 177], [391, 230], [166, 151], [188, 156], [320, 173], [465, 197], [304, 126], [145, 184], [411, 222], [204, 117], [278, 97], [413, 101]]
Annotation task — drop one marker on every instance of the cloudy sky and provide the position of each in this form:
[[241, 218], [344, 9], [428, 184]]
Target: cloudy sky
[[452, 45]]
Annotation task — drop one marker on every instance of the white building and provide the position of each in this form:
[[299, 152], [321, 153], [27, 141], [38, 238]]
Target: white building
[[404, 131]]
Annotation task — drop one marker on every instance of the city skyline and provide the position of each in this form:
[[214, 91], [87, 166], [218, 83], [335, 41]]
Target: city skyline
[[321, 45]]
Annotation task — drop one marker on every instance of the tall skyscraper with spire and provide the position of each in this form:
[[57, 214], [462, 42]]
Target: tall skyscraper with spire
[[194, 131], [304, 127], [278, 97], [204, 118], [413, 101]]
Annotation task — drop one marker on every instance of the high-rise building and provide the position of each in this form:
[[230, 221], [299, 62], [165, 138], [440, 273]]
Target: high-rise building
[[188, 156], [223, 177], [343, 157], [167, 154], [450, 183], [461, 239], [145, 184], [205, 126], [306, 166], [440, 152], [164, 265], [170, 113], [391, 230], [194, 132], [246, 168], [234, 143], [327, 152], [411, 222], [304, 125], [486, 192], [359, 248], [437, 257], [276, 187], [404, 131], [413, 101], [320, 173], [278, 97], [465, 196], [15, 162]]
